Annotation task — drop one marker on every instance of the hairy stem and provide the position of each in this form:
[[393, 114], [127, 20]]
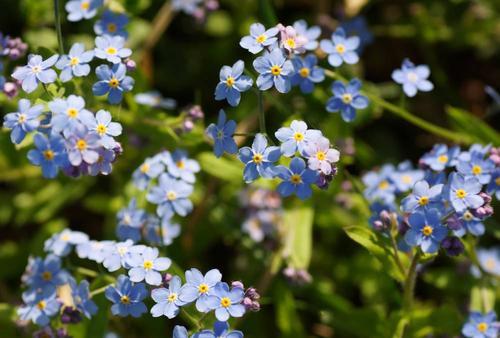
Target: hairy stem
[[190, 319], [98, 291], [409, 285], [57, 17], [396, 253]]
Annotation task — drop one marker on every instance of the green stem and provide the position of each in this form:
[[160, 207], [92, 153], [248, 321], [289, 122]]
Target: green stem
[[57, 16], [244, 134], [98, 291], [86, 272], [406, 115], [190, 319], [262, 115], [409, 285], [396, 254]]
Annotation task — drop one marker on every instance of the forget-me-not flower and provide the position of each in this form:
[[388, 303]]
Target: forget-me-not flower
[[130, 222], [171, 196], [426, 230], [297, 179], [103, 165], [413, 78], [61, 243], [463, 192], [320, 156], [199, 287], [75, 63], [291, 41], [127, 297], [222, 135], [23, 121], [113, 81], [148, 266], [226, 302], [481, 326], [147, 171], [67, 113], [340, 48], [259, 38], [47, 274], [310, 33], [423, 197], [489, 260], [477, 167], [440, 157], [346, 99], [379, 185], [307, 73], [221, 330], [121, 254], [50, 154], [82, 146], [101, 125], [296, 137], [232, 83], [82, 9], [39, 307], [155, 99], [274, 69], [470, 223], [37, 70], [112, 23], [259, 160], [111, 48], [167, 300], [182, 167], [81, 298]]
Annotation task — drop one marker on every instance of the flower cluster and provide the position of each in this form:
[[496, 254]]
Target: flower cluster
[[11, 49], [449, 197]]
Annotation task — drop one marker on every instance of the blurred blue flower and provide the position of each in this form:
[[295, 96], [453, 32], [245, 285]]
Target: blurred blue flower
[[259, 38], [171, 196], [340, 48], [104, 163], [67, 113], [307, 73], [37, 70], [481, 326], [405, 177], [426, 230], [150, 169], [61, 243], [311, 34], [167, 300], [46, 274], [112, 23], [221, 330], [187, 6], [357, 26], [182, 167], [23, 121], [81, 298], [489, 260], [423, 197], [297, 179], [199, 287], [82, 9], [75, 63], [232, 83], [296, 137], [130, 222], [95, 251], [226, 302], [440, 157], [222, 135], [82, 146], [122, 254], [463, 192], [379, 185], [274, 69], [50, 154], [154, 99], [127, 297], [477, 167], [413, 78], [39, 307], [148, 266], [180, 331], [494, 185], [111, 48], [113, 81], [259, 159], [469, 223], [346, 99], [101, 125]]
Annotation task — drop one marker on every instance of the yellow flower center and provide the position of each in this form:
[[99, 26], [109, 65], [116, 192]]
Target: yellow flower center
[[296, 179], [48, 155], [74, 61], [111, 27], [101, 129], [72, 112], [257, 158], [497, 181], [46, 276], [180, 164], [276, 70], [490, 263], [172, 297], [41, 305], [340, 48], [85, 5], [122, 250], [347, 98], [230, 81], [406, 179], [383, 185], [111, 50], [261, 38], [147, 265], [424, 200], [21, 119], [65, 237], [124, 299], [427, 230], [443, 159], [477, 170], [113, 83], [36, 69], [225, 302], [460, 193], [412, 77], [468, 216], [81, 144], [298, 136], [203, 288], [144, 168], [290, 43], [304, 72], [320, 155], [482, 327], [171, 195]]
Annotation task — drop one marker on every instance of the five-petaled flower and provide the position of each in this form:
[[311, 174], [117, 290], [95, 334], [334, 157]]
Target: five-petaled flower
[[111, 48], [232, 83], [101, 125], [259, 160], [320, 155], [199, 287], [226, 302], [463, 192], [423, 197], [127, 297], [37, 70], [23, 121], [82, 9], [147, 267], [75, 63], [113, 81], [426, 230], [112, 23], [259, 38], [167, 301], [171, 196], [481, 325], [222, 135], [346, 99], [296, 137], [340, 48], [296, 179], [413, 78], [307, 73], [274, 69], [50, 154]]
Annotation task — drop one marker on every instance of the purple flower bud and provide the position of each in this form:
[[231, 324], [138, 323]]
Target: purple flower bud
[[237, 284], [187, 125], [130, 64], [211, 5], [453, 246], [251, 305], [166, 279], [15, 48], [196, 113], [378, 225], [454, 222], [11, 89], [483, 212], [495, 156], [486, 197], [46, 332], [62, 333], [71, 315], [117, 149], [252, 293]]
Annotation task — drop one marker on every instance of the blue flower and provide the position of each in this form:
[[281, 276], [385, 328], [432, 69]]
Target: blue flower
[[259, 159], [167, 300], [82, 146], [130, 222], [489, 260], [82, 9], [112, 23], [477, 167], [469, 223], [259, 38], [346, 99], [171, 196], [111, 48], [307, 73], [121, 254], [221, 330], [24, 121], [423, 197], [169, 231], [358, 26], [413, 78], [154, 99], [320, 157], [148, 266], [75, 63], [113, 81], [180, 331], [379, 185], [232, 83], [161, 232], [127, 297], [81, 298], [463, 192], [187, 6], [67, 113], [37, 70], [341, 49], [494, 185], [103, 165], [182, 167], [46, 274], [50, 154], [426, 230], [405, 176], [481, 326], [40, 306], [95, 251], [296, 137], [222, 135], [440, 157], [199, 287], [150, 169], [225, 302], [274, 69], [311, 34], [61, 243], [101, 125], [297, 179]]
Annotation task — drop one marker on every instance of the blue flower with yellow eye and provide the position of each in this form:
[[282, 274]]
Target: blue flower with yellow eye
[[112, 81], [111, 48], [199, 287], [463, 193], [61, 243], [121, 254], [296, 137], [259, 38], [310, 33], [489, 260], [50, 154], [39, 307], [148, 266], [75, 63], [37, 70], [46, 274], [112, 23], [130, 222], [23, 121], [102, 125], [127, 297], [477, 166], [307, 73], [346, 99], [413, 78], [222, 135], [171, 196], [481, 325], [297, 179], [340, 48], [226, 302], [440, 157], [275, 70], [81, 298], [82, 9], [232, 83], [182, 167], [423, 197], [470, 223], [81, 146], [167, 301], [426, 230], [379, 185], [259, 160]]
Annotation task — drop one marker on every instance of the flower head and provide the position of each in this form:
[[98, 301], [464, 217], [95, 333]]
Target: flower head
[[296, 137], [182, 167], [37, 70], [130, 222], [46, 274], [232, 83], [112, 23], [274, 69], [39, 307], [75, 63], [113, 81], [463, 192], [121, 254], [340, 48], [222, 135], [296, 179], [171, 196], [111, 48], [489, 260], [440, 157], [61, 243], [23, 121], [226, 302], [346, 99], [167, 301], [423, 197], [413, 78], [291, 41], [311, 34], [147, 267], [481, 326], [259, 160], [50, 154], [307, 73], [82, 146], [81, 298], [379, 185], [82, 9], [199, 287], [147, 171], [426, 230], [127, 297], [101, 125], [67, 114], [259, 38], [320, 156], [477, 167]]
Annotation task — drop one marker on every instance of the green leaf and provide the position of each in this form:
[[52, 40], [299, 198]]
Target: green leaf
[[482, 299], [221, 167], [287, 318], [267, 13], [299, 225], [474, 127]]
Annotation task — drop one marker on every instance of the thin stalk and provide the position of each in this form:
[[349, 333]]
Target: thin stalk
[[57, 17], [190, 319], [396, 254], [86, 272], [98, 291], [409, 285], [262, 115], [244, 134]]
